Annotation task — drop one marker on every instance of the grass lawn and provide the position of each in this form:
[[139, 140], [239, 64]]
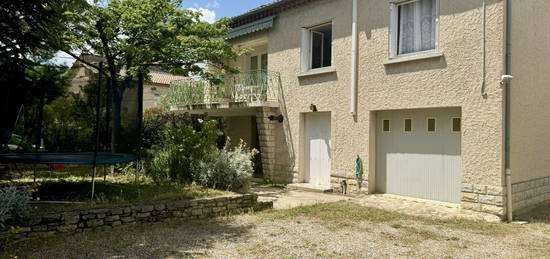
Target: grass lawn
[[332, 230], [75, 184]]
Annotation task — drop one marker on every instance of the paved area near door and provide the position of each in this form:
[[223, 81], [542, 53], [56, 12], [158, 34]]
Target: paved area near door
[[428, 209], [284, 199]]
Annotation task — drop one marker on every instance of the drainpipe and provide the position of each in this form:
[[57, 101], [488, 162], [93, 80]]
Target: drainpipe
[[483, 48], [507, 93], [354, 60]]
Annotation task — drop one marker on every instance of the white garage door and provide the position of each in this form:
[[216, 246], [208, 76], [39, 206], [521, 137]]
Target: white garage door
[[317, 141], [418, 153]]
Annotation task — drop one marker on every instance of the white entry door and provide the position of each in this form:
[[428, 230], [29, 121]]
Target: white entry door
[[418, 153], [318, 147]]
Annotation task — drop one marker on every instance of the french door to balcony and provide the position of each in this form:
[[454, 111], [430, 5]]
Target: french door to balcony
[[259, 64]]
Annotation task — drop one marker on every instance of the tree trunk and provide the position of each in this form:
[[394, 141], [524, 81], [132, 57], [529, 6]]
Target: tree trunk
[[116, 88]]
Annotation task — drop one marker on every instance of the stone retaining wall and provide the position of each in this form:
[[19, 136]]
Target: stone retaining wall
[[529, 193], [106, 218]]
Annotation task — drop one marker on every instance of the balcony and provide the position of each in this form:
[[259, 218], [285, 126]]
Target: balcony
[[246, 89]]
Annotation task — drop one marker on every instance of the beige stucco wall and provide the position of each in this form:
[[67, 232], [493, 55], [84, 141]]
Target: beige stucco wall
[[152, 94], [80, 79], [451, 81], [530, 114]]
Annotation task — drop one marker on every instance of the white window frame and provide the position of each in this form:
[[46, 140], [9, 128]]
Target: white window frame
[[452, 125], [389, 125], [259, 61], [404, 125], [394, 30], [307, 47], [428, 125]]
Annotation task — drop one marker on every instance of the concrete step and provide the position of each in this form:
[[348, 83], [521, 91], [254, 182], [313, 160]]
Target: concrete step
[[309, 187]]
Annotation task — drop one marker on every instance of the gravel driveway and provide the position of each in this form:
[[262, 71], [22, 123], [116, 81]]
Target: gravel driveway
[[340, 229]]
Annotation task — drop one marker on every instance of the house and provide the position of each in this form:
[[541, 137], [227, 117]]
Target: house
[[153, 89], [444, 100]]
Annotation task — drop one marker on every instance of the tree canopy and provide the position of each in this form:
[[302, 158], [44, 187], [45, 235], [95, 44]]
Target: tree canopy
[[134, 35], [130, 36], [30, 33]]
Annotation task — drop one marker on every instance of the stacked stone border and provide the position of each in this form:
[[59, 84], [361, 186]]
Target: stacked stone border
[[107, 218], [529, 193], [266, 136], [484, 198]]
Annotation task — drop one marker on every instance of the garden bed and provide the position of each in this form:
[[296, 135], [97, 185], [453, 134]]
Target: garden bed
[[113, 191]]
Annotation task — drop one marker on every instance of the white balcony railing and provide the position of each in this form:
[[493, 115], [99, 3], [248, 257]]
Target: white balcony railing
[[253, 87]]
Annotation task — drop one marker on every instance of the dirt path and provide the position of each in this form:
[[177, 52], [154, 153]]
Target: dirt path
[[341, 229]]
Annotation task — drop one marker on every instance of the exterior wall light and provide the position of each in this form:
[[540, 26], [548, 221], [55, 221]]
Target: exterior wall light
[[313, 108], [280, 118]]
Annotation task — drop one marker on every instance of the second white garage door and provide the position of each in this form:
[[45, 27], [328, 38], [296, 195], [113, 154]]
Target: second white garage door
[[418, 153]]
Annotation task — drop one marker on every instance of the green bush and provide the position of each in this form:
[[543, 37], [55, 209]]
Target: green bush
[[185, 142], [182, 149], [14, 206], [226, 169], [153, 125]]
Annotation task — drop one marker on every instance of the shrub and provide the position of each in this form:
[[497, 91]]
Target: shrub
[[185, 142], [226, 169], [14, 206]]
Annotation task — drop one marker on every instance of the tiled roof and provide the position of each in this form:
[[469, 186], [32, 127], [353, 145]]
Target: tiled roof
[[157, 76], [164, 78]]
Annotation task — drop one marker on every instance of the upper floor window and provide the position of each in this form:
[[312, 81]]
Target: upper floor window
[[317, 47], [414, 27], [258, 62], [258, 68]]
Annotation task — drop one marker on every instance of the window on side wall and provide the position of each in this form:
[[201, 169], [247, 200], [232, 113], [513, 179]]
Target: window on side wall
[[431, 125], [456, 125], [317, 47], [386, 126], [407, 125], [414, 27]]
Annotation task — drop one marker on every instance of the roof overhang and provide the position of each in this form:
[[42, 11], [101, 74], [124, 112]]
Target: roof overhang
[[263, 11], [259, 25]]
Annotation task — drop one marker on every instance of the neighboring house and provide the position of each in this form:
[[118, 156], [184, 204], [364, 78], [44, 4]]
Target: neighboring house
[[418, 89], [153, 89]]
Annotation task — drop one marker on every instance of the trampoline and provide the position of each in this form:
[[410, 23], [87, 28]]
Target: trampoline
[[81, 158], [94, 158], [103, 158]]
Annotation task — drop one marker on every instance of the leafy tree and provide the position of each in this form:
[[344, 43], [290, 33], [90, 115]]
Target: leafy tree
[[29, 35], [69, 121], [49, 82], [134, 35], [30, 28]]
